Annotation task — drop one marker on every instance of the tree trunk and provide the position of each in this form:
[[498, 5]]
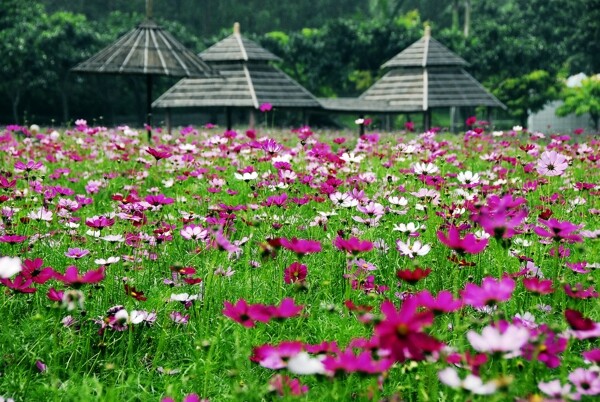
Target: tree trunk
[[16, 98], [64, 100], [467, 18], [455, 10]]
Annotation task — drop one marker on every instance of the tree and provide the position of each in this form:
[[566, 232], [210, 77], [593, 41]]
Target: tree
[[582, 99], [22, 67], [66, 39], [528, 93]]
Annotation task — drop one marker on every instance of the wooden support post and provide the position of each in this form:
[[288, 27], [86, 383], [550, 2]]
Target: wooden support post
[[453, 119], [488, 116], [149, 106], [427, 120], [228, 118], [361, 125], [168, 120], [252, 119]]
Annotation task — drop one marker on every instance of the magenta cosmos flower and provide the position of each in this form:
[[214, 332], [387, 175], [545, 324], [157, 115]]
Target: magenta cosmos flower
[[558, 230], [72, 276], [158, 154], [490, 292], [551, 163], [400, 332], [353, 245], [301, 246], [76, 252], [296, 272], [99, 222], [468, 244]]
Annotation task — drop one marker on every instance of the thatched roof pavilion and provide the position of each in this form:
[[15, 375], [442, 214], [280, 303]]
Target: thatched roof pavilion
[[427, 75], [247, 80], [146, 50]]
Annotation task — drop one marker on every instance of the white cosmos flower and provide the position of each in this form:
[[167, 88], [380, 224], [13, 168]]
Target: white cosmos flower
[[471, 383], [410, 227], [417, 248], [303, 364], [492, 340], [108, 261], [425, 168], [9, 266], [246, 176], [401, 201], [113, 238], [351, 157], [468, 177]]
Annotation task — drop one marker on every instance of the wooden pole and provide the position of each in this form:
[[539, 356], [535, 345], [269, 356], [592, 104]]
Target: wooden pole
[[453, 119], [149, 9], [168, 118], [361, 125], [149, 105], [427, 120], [228, 117], [252, 119]]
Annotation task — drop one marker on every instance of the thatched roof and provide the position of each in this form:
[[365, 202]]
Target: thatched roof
[[426, 52], [412, 89], [237, 48], [247, 80], [147, 49], [241, 85], [427, 75]]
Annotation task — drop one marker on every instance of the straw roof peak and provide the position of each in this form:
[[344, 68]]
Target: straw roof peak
[[236, 47]]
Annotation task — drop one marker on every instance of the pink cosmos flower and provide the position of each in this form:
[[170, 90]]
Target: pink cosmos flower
[[577, 291], [587, 382], [33, 270], [555, 390], [72, 276], [12, 239], [551, 163], [20, 166], [558, 230], [546, 350], [353, 245], [194, 232], [592, 355], [537, 285], [296, 272], [284, 385], [19, 284], [301, 246], [187, 398], [246, 314], [179, 318], [490, 292], [76, 253], [400, 332], [444, 302], [265, 107], [287, 309], [158, 154], [348, 362], [99, 222], [276, 357], [469, 244]]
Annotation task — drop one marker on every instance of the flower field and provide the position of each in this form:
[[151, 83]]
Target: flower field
[[298, 265]]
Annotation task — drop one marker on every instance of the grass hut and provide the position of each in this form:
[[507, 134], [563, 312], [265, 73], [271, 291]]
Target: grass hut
[[246, 81]]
